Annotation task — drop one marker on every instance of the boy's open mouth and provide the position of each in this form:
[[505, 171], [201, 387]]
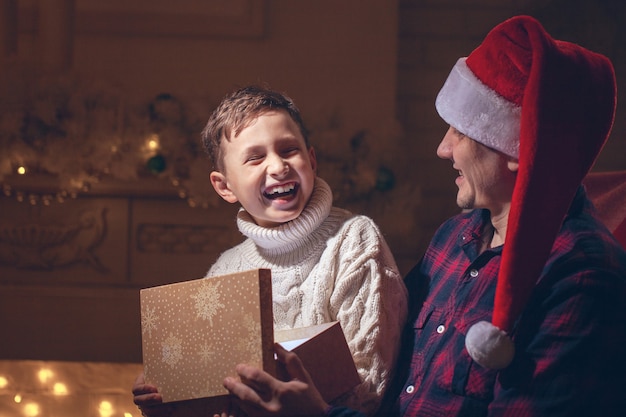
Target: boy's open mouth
[[281, 191]]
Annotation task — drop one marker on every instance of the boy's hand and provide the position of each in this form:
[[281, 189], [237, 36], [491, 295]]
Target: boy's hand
[[148, 399], [262, 394]]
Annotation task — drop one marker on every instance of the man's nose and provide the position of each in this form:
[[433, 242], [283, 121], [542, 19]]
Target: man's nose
[[444, 150]]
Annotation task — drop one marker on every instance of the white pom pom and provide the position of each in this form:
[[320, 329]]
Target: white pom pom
[[489, 346]]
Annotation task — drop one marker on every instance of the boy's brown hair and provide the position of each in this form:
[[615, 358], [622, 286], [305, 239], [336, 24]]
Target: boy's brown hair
[[237, 111]]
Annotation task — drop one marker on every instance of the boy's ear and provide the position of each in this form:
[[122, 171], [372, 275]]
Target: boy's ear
[[220, 185], [313, 159]]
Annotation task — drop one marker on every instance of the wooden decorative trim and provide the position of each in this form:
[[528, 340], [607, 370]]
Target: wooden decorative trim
[[235, 19]]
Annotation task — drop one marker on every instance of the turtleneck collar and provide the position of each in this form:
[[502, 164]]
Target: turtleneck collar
[[295, 232]]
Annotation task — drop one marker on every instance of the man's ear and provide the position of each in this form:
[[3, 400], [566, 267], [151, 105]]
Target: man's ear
[[220, 185], [513, 164]]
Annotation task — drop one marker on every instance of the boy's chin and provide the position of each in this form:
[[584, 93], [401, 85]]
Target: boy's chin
[[278, 219]]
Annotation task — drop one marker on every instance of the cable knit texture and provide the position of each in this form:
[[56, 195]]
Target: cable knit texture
[[327, 265]]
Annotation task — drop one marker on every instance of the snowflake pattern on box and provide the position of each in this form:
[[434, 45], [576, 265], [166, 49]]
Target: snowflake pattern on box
[[148, 320], [207, 300], [195, 332], [248, 344], [172, 351]]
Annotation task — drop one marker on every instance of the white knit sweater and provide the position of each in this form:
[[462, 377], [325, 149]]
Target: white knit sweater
[[328, 265]]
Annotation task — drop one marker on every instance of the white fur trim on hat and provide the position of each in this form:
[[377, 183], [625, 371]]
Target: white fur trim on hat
[[477, 111], [489, 346]]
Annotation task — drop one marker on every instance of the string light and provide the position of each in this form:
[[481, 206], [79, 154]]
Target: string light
[[31, 410], [153, 142], [44, 375], [105, 409], [37, 391], [59, 388]]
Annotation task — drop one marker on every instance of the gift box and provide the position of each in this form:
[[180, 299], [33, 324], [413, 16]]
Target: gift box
[[195, 332], [324, 353]]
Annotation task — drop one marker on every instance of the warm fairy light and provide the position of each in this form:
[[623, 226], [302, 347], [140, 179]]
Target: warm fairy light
[[21, 170], [153, 142], [105, 409], [44, 374], [59, 388], [31, 410], [54, 385]]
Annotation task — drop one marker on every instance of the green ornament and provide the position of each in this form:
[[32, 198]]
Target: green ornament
[[385, 179], [156, 164]]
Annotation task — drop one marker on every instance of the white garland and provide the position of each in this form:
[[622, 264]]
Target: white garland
[[81, 132]]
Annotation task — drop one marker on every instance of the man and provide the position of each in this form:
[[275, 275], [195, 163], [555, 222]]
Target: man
[[519, 303]]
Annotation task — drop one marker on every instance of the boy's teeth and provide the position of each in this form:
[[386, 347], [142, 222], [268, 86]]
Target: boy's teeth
[[282, 189]]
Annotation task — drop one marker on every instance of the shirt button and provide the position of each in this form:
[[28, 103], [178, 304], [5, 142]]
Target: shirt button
[[410, 389], [441, 328], [473, 273]]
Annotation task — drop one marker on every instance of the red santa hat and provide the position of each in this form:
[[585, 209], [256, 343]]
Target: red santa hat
[[551, 105]]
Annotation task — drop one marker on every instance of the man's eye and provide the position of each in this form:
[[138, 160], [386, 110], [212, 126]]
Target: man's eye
[[458, 133]]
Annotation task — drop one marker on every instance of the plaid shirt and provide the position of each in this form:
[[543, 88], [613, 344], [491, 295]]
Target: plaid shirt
[[570, 341]]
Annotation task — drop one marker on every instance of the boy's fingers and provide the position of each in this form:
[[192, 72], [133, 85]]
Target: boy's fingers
[[147, 399], [144, 389]]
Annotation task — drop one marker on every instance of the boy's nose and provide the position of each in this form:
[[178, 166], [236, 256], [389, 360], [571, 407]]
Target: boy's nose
[[277, 166]]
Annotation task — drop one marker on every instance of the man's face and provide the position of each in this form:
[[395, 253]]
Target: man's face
[[267, 169], [486, 177]]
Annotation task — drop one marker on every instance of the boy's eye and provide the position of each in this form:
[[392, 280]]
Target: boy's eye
[[291, 151], [252, 158]]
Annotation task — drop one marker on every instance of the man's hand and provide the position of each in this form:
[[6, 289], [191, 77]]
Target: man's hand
[[262, 394]]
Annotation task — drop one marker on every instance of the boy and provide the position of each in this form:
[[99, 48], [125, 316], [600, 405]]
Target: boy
[[327, 264]]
